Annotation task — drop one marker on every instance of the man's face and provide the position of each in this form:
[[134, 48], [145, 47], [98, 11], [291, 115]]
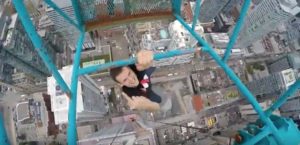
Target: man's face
[[127, 78]]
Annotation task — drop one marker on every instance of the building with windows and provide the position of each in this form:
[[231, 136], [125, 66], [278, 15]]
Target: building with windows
[[67, 30], [230, 5], [223, 23], [272, 85], [91, 103], [26, 82], [293, 28], [210, 9], [248, 112], [19, 44], [17, 51], [20, 63], [291, 60], [291, 108], [265, 17]]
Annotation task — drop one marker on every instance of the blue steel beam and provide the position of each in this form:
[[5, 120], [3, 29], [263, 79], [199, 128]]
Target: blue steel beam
[[72, 129], [126, 62], [196, 14], [265, 132], [77, 14], [292, 89], [3, 135], [63, 14], [176, 6], [38, 43], [243, 89], [237, 29]]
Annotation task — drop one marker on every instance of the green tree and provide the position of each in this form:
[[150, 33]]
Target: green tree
[[232, 94], [258, 66], [250, 69]]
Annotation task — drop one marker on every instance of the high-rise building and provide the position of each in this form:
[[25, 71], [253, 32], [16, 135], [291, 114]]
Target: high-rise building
[[18, 44], [230, 5], [91, 103], [210, 9], [55, 42], [257, 1], [5, 71], [293, 28], [264, 18], [25, 82], [223, 23], [67, 30], [20, 64], [291, 60], [33, 8], [272, 85], [17, 50], [291, 108]]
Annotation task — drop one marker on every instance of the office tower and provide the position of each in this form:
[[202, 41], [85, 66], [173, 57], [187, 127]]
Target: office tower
[[210, 9], [230, 5], [272, 85], [16, 49], [291, 108], [264, 18], [291, 60], [67, 30], [293, 28]]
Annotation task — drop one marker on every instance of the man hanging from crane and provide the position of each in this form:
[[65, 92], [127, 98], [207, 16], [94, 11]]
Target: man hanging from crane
[[136, 83]]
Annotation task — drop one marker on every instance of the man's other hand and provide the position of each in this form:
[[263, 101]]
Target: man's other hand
[[144, 59], [141, 103]]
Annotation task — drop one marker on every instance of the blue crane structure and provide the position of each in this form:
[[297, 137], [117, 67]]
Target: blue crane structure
[[268, 129]]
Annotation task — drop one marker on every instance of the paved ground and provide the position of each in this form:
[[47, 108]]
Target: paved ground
[[117, 41], [9, 101], [32, 132]]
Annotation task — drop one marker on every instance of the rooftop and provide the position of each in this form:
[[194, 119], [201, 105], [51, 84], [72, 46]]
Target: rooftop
[[22, 110], [294, 59], [164, 34], [59, 100], [13, 22]]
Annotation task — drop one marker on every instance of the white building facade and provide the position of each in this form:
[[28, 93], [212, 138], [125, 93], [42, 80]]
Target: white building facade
[[90, 102]]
